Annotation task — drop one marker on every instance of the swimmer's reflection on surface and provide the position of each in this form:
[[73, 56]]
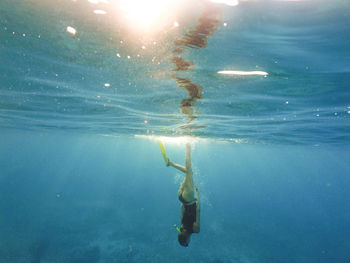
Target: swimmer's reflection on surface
[[194, 92], [208, 22]]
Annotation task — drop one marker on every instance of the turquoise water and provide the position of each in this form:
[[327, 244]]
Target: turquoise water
[[81, 176]]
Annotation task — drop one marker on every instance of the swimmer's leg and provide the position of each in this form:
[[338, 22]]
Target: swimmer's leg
[[187, 186], [177, 166], [167, 160]]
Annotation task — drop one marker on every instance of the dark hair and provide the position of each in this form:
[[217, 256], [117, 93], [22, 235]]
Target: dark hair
[[184, 238]]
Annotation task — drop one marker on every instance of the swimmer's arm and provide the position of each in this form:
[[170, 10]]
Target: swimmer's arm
[[177, 166], [196, 225]]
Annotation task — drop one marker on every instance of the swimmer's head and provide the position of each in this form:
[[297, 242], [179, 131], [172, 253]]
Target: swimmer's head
[[184, 237]]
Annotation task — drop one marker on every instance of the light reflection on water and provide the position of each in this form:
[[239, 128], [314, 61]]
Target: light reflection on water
[[81, 65]]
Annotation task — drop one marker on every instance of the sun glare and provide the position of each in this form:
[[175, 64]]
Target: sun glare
[[144, 12], [151, 13], [226, 2]]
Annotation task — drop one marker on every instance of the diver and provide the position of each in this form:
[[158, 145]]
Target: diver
[[190, 206]]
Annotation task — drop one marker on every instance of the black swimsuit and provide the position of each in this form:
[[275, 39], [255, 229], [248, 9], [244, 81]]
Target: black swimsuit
[[189, 215], [182, 200]]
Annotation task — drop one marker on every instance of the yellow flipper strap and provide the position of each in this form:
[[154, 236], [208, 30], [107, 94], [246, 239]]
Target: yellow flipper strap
[[162, 150]]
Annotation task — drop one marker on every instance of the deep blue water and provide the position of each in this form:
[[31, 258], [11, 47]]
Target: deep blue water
[[81, 176], [103, 199]]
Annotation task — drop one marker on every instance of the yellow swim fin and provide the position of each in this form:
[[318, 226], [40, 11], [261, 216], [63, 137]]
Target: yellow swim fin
[[162, 150]]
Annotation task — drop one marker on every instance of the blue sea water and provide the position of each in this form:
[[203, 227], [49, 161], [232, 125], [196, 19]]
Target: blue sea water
[[82, 179]]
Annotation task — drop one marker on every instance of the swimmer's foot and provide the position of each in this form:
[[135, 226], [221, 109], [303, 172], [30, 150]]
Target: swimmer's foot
[[162, 150]]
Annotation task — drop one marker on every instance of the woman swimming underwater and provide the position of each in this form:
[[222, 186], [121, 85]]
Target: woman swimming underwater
[[190, 206]]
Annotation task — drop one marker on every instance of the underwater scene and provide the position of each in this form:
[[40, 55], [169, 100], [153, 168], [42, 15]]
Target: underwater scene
[[180, 131]]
